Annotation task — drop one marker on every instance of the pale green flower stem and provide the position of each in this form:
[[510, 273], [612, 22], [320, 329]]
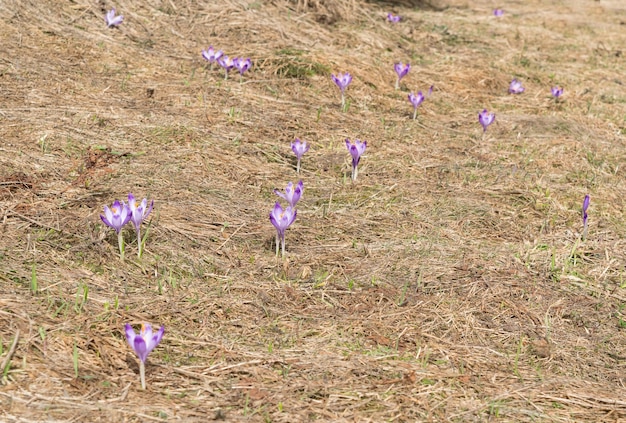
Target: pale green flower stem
[[139, 245], [142, 374], [120, 242]]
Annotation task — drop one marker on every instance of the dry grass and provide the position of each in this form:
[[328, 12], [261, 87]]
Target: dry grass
[[447, 284]]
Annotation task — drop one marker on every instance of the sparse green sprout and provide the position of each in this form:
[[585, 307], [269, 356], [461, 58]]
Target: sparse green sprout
[[34, 286], [75, 360]]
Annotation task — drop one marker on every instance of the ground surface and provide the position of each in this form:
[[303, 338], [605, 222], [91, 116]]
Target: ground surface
[[448, 283]]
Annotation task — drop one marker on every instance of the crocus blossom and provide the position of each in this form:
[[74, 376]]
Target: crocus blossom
[[137, 215], [292, 194], [356, 149], [227, 63], [498, 12], [211, 55], [299, 148], [342, 81], [401, 70], [585, 207], [557, 92], [241, 64], [485, 118], [515, 87], [282, 219], [393, 18], [142, 344], [113, 20], [417, 99], [116, 217]]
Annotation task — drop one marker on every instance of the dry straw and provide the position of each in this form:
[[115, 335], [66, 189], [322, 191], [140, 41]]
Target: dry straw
[[448, 284]]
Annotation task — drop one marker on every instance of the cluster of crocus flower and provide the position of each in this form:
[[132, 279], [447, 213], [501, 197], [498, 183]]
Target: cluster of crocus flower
[[227, 63], [112, 20], [299, 148], [417, 99], [356, 149], [401, 70], [498, 12], [281, 217], [515, 87], [120, 213], [342, 81], [142, 344]]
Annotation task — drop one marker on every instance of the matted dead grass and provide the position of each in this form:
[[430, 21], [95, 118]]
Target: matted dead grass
[[448, 283]]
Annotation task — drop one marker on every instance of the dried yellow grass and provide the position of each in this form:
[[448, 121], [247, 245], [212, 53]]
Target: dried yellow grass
[[448, 283]]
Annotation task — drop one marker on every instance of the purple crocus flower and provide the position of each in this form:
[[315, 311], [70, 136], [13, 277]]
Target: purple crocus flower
[[142, 344], [137, 215], [116, 217], [113, 20], [498, 12], [282, 219], [299, 148], [485, 118], [292, 194], [342, 81], [585, 207], [227, 63], [515, 87], [393, 19], [417, 99], [211, 55], [401, 71], [557, 92], [356, 149], [242, 64]]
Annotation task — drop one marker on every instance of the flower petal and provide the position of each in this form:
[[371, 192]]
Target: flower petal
[[130, 335], [140, 348]]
